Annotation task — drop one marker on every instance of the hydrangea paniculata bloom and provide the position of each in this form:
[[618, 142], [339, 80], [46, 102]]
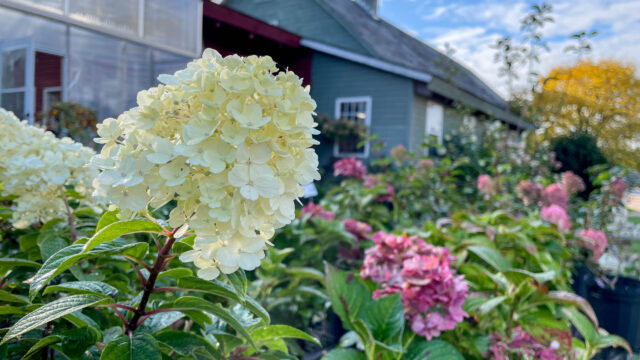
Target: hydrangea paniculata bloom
[[556, 215], [358, 229], [572, 183], [432, 294], [615, 191], [596, 241], [349, 167], [230, 140], [36, 166], [371, 181], [555, 194], [529, 192], [317, 210]]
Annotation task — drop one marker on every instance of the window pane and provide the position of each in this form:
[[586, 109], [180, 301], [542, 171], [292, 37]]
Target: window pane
[[14, 102], [49, 5], [120, 15], [172, 22], [13, 68]]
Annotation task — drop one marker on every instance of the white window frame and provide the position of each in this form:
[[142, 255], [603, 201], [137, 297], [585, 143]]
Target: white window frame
[[367, 121], [45, 99], [431, 105]]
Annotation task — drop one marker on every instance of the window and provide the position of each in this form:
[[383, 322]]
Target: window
[[357, 109], [434, 125]]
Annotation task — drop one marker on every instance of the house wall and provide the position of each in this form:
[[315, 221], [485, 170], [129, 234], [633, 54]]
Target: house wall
[[391, 97], [452, 120]]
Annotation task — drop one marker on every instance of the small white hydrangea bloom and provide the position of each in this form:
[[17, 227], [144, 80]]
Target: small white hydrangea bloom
[[230, 140], [35, 167]]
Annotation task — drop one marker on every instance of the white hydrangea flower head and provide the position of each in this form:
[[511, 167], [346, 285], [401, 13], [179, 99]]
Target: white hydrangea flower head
[[230, 140], [36, 166]]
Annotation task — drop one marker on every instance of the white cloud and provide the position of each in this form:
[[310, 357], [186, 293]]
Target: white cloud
[[472, 29]]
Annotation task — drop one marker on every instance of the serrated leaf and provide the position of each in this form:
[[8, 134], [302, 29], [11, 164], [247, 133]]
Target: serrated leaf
[[139, 347], [421, 349], [216, 287], [187, 303], [342, 292], [176, 273], [564, 297], [344, 354], [11, 262], [83, 287], [52, 311], [306, 272], [120, 228], [385, 318], [71, 255], [491, 257], [8, 297], [108, 218], [238, 281], [281, 332], [490, 304], [517, 276], [582, 324], [186, 343], [604, 341], [41, 344]]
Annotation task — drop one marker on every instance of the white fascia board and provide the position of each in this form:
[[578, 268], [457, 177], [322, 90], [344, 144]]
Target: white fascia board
[[366, 60]]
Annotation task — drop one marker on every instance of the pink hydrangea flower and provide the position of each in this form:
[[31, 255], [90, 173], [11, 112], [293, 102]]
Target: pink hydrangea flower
[[596, 241], [349, 167], [486, 184], [432, 294], [358, 229], [556, 215], [555, 194], [529, 192], [617, 189], [522, 344], [316, 210], [572, 183]]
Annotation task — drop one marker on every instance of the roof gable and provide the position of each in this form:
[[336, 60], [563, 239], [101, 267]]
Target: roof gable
[[309, 19]]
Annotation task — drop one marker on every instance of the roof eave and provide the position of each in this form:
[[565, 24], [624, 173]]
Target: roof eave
[[366, 60]]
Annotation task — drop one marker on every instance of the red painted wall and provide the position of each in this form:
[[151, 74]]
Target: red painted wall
[[48, 74], [230, 32]]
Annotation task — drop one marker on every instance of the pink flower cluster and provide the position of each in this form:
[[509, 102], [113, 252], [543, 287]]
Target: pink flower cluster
[[572, 183], [358, 229], [555, 194], [316, 210], [556, 215], [350, 167], [432, 294], [529, 192], [486, 185], [523, 345], [616, 190], [596, 241], [371, 181]]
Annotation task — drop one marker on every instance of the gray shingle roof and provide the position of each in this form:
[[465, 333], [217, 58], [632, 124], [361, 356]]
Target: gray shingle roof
[[387, 42], [350, 27]]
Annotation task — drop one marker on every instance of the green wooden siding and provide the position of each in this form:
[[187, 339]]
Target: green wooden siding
[[451, 122], [391, 95]]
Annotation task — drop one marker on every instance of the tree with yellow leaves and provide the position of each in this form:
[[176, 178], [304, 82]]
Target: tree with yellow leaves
[[598, 98]]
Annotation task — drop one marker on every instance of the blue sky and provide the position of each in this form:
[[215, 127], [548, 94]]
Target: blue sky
[[470, 27]]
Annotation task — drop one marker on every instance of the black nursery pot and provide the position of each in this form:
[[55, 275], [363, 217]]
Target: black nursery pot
[[618, 309]]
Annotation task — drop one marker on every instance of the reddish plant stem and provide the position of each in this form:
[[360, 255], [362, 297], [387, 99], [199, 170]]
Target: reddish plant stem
[[148, 287], [72, 222], [143, 281], [148, 314]]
